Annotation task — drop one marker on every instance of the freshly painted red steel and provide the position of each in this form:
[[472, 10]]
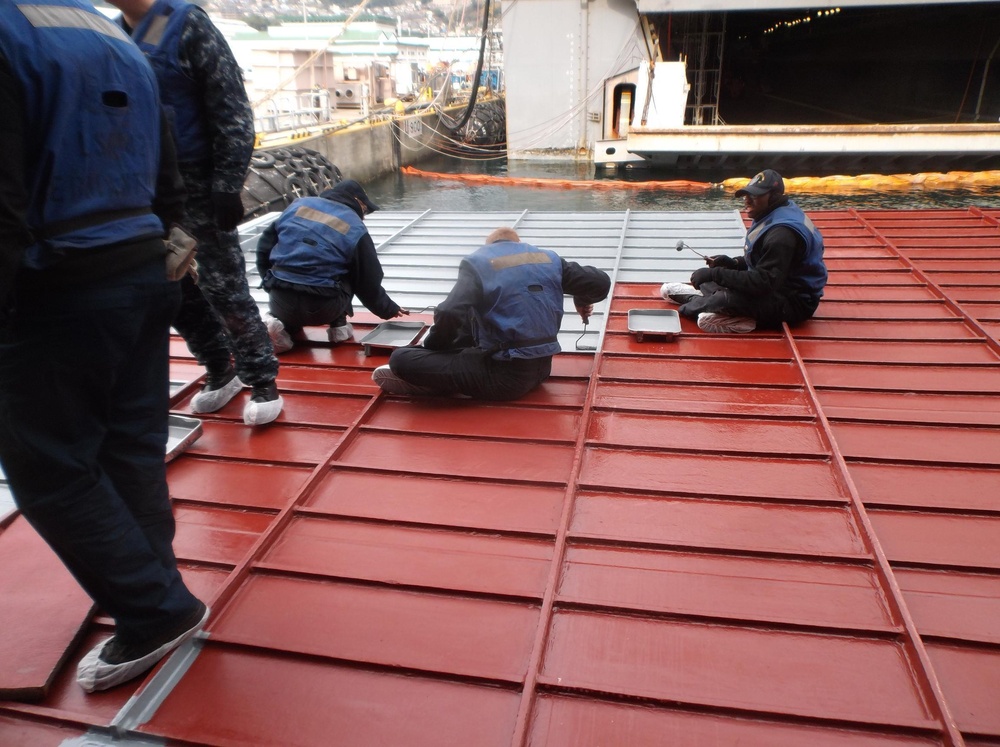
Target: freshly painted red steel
[[970, 677], [810, 675], [42, 612], [939, 539], [232, 483], [927, 486], [876, 311], [730, 525], [432, 632], [235, 698], [456, 561], [881, 329], [431, 455], [705, 434], [215, 535], [707, 400], [914, 407], [917, 353], [571, 722], [271, 444], [720, 475], [962, 606], [491, 506], [690, 371], [736, 588], [902, 378], [904, 442], [28, 733], [465, 418], [783, 538]]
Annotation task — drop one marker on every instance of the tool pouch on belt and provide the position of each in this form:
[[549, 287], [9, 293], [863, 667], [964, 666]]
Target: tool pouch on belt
[[181, 250]]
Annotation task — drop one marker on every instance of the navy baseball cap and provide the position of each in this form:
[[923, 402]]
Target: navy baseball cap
[[766, 181], [351, 188]]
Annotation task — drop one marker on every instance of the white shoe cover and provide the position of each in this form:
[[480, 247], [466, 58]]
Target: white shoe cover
[[711, 322], [93, 674], [669, 290], [340, 334], [392, 384], [216, 399], [280, 339], [261, 413]]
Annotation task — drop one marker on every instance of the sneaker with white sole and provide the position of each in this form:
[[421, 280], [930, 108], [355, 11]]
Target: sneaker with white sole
[[264, 406], [112, 662], [340, 334], [679, 292], [712, 322], [392, 384], [217, 393], [280, 339]]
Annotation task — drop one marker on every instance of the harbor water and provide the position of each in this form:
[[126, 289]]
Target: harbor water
[[399, 191]]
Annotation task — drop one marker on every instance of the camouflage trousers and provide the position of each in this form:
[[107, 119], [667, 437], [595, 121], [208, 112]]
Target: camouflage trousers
[[218, 318]]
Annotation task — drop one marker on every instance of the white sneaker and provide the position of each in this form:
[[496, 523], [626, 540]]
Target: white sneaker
[[392, 384], [280, 339], [711, 322], [112, 662], [677, 291], [340, 334], [210, 400]]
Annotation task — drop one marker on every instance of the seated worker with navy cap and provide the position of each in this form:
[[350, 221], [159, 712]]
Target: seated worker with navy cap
[[314, 259], [779, 278]]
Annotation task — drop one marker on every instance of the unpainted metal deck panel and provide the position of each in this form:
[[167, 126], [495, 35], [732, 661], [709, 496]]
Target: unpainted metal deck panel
[[782, 538]]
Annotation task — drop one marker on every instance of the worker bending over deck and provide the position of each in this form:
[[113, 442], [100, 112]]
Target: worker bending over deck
[[314, 259], [779, 278], [494, 336]]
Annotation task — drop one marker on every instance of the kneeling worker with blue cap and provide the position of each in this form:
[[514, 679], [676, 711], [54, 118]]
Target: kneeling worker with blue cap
[[314, 259], [779, 278]]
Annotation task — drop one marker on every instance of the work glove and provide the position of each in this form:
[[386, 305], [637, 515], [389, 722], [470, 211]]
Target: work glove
[[701, 275], [721, 260], [228, 207]]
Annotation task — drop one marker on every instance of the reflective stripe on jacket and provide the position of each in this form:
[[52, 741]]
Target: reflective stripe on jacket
[[522, 300]]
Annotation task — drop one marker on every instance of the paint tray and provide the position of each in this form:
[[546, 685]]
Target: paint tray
[[181, 433], [661, 323], [390, 335]]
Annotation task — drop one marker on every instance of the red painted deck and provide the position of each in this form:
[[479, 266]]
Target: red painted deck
[[783, 539]]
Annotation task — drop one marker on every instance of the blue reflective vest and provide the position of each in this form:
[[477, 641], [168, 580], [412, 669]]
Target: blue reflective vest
[[522, 304], [158, 35], [316, 242], [809, 277], [93, 127]]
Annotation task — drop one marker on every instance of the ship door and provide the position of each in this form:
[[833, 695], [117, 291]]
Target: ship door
[[623, 109]]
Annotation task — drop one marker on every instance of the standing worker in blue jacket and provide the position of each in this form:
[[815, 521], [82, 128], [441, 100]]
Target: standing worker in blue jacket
[[494, 336], [88, 184], [779, 278], [314, 259], [202, 90]]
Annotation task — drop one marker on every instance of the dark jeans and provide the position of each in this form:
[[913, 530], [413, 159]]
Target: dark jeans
[[84, 398], [769, 311], [218, 319], [297, 310], [469, 371]]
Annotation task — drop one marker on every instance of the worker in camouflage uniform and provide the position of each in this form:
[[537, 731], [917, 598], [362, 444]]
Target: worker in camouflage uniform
[[202, 90]]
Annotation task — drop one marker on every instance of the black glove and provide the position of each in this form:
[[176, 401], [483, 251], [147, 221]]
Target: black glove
[[228, 208], [701, 275], [721, 260]]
